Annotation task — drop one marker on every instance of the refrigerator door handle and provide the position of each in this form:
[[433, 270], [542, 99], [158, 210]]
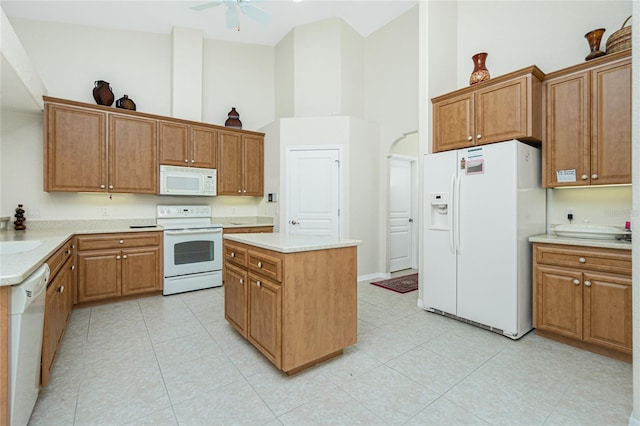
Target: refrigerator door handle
[[452, 244], [457, 210]]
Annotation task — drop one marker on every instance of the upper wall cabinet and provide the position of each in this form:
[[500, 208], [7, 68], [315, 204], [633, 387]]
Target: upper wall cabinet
[[187, 145], [93, 148], [587, 110], [240, 164], [504, 108]]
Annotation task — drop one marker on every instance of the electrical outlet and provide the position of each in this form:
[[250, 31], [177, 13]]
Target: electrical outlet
[[105, 211], [33, 213], [571, 210]]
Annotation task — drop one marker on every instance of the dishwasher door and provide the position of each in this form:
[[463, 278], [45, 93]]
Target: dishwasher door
[[27, 320]]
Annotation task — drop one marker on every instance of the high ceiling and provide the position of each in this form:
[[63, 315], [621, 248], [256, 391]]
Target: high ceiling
[[365, 16]]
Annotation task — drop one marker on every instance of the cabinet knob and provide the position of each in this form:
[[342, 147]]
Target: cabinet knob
[[121, 241], [594, 176], [102, 186], [587, 283], [576, 281], [73, 267], [61, 289], [239, 190], [193, 161], [259, 264], [244, 190], [241, 281], [469, 138], [584, 177], [258, 283], [67, 252], [186, 160], [479, 137], [73, 246], [118, 257], [582, 260], [124, 257], [110, 186], [233, 254]]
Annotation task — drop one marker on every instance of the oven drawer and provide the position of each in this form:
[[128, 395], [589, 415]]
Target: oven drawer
[[116, 241], [235, 254], [264, 264]]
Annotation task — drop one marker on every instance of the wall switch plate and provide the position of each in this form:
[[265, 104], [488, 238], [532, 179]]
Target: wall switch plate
[[272, 197]]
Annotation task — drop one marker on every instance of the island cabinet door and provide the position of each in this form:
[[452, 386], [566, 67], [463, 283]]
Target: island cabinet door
[[235, 297], [265, 317], [558, 301]]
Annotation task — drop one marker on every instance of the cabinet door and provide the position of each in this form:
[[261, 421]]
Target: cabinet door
[[235, 297], [141, 270], [99, 275], [75, 149], [51, 330], [607, 311], [173, 142], [229, 163], [501, 112], [453, 123], [611, 124], [558, 301], [204, 147], [567, 143], [265, 317], [133, 160], [253, 166]]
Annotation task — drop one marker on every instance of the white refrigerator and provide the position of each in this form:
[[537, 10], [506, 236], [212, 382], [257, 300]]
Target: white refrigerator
[[481, 205]]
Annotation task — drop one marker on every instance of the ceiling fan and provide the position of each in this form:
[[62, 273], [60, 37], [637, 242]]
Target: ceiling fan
[[247, 7]]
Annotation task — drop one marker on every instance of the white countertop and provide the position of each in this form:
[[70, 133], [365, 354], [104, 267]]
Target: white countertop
[[15, 268], [291, 243], [243, 221], [554, 239]]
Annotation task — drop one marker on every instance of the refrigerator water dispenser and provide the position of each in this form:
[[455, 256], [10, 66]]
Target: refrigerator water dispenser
[[439, 212]]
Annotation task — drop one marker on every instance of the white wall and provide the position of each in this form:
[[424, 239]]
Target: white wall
[[352, 72], [284, 81]]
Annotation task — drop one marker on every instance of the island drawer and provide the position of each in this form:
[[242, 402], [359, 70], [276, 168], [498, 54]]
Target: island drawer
[[116, 241], [591, 258], [235, 254], [265, 264]]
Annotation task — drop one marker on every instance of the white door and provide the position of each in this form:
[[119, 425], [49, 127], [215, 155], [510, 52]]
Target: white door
[[401, 226], [313, 191]]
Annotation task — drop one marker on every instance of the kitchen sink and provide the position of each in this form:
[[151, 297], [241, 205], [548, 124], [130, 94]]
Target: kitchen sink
[[594, 232], [13, 247]]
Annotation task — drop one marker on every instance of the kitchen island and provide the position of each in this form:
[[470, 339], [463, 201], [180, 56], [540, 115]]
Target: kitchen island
[[294, 297]]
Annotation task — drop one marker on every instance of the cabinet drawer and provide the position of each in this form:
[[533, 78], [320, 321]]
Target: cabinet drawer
[[56, 260], [584, 258], [114, 241], [264, 264], [235, 254]]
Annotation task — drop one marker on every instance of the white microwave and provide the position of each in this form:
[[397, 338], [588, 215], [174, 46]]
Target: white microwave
[[176, 180]]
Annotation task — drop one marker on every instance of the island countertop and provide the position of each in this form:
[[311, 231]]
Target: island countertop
[[292, 243]]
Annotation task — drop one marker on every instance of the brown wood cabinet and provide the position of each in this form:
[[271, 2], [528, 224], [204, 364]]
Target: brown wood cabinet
[[587, 110], [188, 145], [115, 265], [297, 309], [240, 164], [582, 295], [58, 304], [91, 150], [504, 108]]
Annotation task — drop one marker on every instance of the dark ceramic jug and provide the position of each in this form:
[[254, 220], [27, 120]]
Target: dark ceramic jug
[[234, 119], [126, 103], [102, 93]]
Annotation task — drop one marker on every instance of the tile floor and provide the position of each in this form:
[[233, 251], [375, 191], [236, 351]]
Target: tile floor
[[174, 360]]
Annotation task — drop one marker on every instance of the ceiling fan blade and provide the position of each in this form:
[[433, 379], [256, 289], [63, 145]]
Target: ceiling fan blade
[[233, 21], [207, 5], [253, 12]]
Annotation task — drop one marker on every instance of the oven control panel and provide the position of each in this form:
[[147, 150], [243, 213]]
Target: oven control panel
[[170, 212]]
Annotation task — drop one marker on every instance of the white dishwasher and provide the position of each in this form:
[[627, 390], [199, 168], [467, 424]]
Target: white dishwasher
[[27, 320]]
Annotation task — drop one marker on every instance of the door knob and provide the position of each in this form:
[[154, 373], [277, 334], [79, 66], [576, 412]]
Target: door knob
[[410, 220], [293, 222]]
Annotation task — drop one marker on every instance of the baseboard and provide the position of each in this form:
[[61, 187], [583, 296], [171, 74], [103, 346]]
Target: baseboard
[[375, 276]]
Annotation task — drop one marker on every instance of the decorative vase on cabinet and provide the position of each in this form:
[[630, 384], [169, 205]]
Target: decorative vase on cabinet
[[594, 37], [102, 93], [480, 71], [126, 103], [233, 120]]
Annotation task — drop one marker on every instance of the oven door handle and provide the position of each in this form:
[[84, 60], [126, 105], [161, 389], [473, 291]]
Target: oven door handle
[[195, 231]]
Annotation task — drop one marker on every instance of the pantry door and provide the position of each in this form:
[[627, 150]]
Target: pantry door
[[313, 199], [402, 229]]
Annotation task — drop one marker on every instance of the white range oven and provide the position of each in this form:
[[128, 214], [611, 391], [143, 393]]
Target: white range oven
[[192, 248]]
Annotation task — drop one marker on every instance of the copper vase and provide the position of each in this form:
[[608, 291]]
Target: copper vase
[[102, 93], [480, 71], [593, 38]]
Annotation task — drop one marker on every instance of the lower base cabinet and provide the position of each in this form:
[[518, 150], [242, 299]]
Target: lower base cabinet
[[582, 296], [297, 309], [116, 265]]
